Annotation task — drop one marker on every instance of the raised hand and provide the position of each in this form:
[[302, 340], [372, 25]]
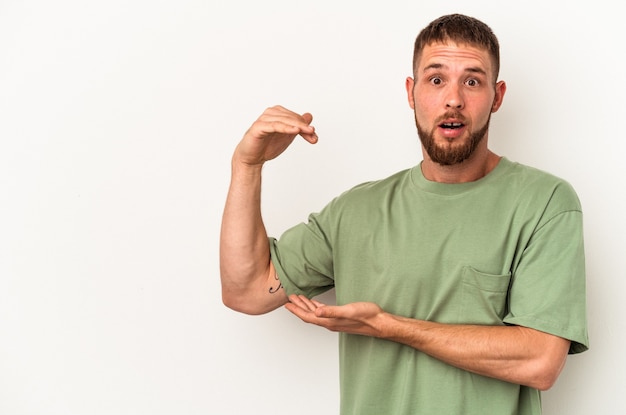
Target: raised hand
[[271, 134]]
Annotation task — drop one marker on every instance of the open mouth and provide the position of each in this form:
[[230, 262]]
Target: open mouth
[[451, 125]]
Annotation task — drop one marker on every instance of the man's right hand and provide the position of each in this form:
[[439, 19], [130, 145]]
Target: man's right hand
[[271, 134]]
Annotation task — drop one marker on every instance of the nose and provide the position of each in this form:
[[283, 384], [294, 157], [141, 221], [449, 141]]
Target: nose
[[454, 97]]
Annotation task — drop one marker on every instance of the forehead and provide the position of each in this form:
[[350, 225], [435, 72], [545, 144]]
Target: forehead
[[455, 56]]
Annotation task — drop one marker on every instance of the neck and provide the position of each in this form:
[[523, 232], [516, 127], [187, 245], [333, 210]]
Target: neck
[[477, 166]]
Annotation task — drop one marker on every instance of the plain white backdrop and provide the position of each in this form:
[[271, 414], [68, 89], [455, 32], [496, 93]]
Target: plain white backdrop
[[117, 123]]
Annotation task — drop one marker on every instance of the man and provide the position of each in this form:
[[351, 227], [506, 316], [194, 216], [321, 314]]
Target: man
[[460, 283]]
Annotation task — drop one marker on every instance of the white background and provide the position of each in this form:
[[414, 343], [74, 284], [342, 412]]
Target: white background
[[117, 123]]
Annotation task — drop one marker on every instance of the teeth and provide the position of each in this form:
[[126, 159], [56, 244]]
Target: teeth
[[452, 125]]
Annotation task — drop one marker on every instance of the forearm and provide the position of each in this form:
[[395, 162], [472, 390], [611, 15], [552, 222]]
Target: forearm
[[244, 248], [511, 353]]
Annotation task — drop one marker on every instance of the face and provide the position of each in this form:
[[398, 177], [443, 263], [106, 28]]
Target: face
[[453, 95]]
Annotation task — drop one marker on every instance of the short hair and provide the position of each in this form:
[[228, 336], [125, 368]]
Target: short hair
[[460, 29]]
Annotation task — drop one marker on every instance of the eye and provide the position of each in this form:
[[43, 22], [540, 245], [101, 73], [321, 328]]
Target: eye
[[472, 82], [436, 80]]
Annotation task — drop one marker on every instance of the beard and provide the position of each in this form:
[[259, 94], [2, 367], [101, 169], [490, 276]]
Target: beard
[[450, 154]]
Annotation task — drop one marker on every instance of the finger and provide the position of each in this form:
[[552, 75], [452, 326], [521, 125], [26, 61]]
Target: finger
[[263, 129], [302, 302], [303, 314], [309, 134], [299, 312], [311, 138], [271, 126], [288, 117], [330, 312], [279, 112], [311, 305], [307, 117]]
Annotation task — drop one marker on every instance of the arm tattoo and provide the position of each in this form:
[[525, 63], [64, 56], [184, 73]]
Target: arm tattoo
[[280, 285]]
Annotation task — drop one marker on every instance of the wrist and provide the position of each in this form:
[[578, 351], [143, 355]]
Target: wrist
[[388, 326], [243, 168], [401, 329]]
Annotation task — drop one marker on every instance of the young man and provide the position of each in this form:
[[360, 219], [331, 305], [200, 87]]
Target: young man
[[460, 283]]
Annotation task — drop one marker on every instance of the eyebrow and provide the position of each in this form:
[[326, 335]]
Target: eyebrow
[[471, 69]]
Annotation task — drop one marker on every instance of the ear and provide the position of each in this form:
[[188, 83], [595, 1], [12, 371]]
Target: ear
[[409, 85], [497, 100]]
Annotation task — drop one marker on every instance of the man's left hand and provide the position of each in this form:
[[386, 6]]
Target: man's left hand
[[355, 318]]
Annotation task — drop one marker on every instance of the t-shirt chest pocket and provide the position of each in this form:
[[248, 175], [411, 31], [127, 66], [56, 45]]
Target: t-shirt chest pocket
[[484, 296]]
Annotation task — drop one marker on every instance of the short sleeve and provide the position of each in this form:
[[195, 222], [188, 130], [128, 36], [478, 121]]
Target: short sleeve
[[548, 287], [303, 258]]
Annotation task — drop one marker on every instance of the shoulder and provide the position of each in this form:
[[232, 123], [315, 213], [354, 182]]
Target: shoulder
[[375, 190], [535, 183], [364, 200]]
